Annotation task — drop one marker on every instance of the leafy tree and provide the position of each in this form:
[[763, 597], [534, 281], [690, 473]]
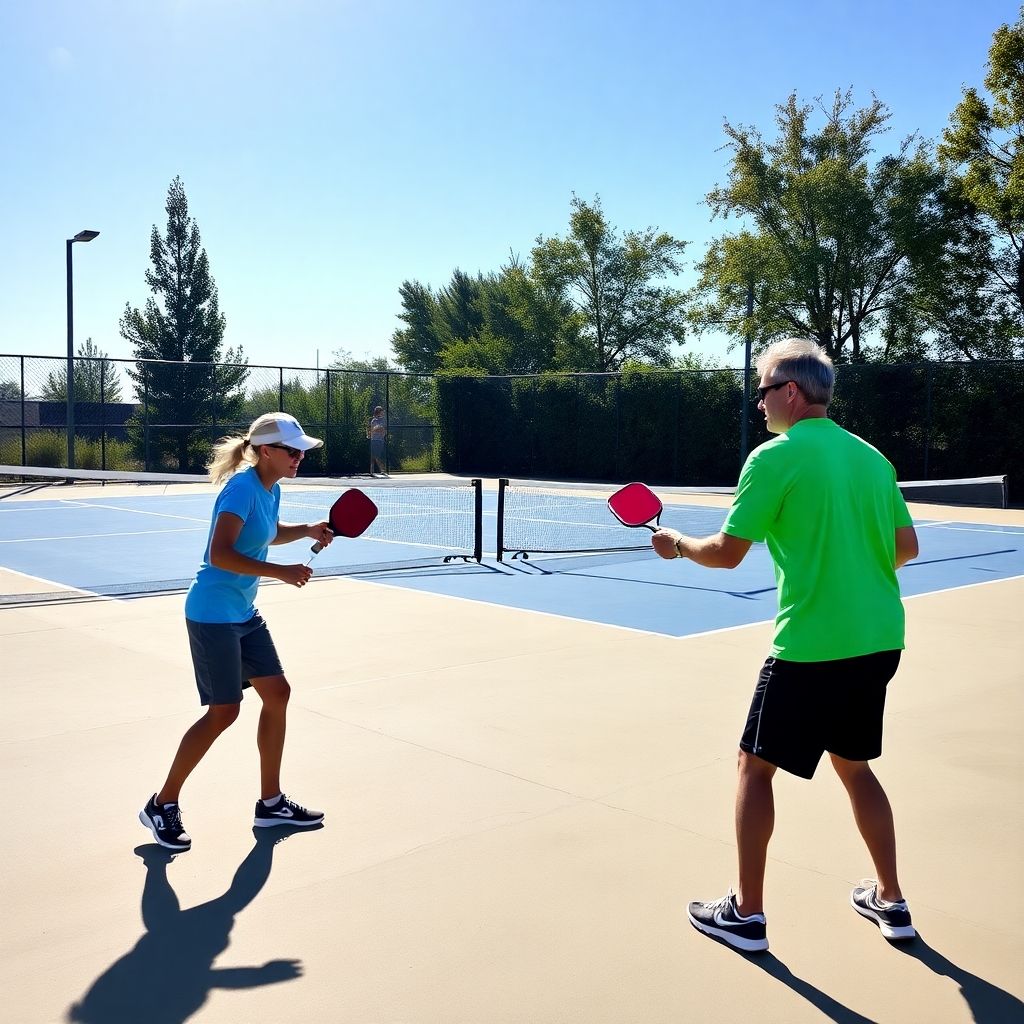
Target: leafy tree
[[417, 346], [181, 322], [458, 316], [613, 284], [835, 246], [96, 378], [524, 328], [10, 391], [983, 148], [503, 322]]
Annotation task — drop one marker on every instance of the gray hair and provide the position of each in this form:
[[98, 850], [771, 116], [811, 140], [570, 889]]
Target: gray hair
[[802, 361]]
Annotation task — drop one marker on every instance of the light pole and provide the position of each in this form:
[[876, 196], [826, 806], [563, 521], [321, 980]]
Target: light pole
[[82, 236]]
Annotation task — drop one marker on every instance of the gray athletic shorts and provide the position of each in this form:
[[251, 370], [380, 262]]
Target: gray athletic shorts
[[226, 655]]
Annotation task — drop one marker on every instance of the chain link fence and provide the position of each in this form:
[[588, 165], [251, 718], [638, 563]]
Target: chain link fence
[[932, 420], [154, 416]]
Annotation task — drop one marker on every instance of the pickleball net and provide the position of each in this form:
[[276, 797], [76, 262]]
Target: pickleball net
[[70, 514], [536, 518], [545, 518]]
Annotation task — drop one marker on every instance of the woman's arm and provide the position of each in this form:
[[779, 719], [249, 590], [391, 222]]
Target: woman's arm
[[287, 532], [224, 555]]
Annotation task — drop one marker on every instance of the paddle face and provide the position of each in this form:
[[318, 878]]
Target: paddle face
[[350, 515], [636, 505]]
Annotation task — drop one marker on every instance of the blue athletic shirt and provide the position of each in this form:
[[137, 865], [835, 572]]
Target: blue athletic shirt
[[217, 595]]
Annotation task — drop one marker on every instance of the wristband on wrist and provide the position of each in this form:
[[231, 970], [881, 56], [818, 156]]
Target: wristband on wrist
[[679, 553]]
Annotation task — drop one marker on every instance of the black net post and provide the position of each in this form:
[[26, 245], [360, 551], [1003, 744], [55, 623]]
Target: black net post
[[478, 519], [500, 539]]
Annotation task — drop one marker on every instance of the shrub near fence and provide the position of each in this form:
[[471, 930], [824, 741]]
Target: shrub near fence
[[660, 426], [931, 420]]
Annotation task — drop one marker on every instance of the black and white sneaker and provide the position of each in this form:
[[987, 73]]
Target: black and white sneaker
[[893, 919], [285, 811], [722, 920], [164, 821]]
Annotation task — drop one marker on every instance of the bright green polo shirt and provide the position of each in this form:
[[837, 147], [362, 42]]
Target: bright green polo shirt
[[827, 506]]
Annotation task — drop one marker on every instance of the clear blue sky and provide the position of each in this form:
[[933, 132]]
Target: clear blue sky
[[331, 150]]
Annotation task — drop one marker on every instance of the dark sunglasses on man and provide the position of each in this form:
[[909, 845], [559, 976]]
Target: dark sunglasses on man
[[761, 392]]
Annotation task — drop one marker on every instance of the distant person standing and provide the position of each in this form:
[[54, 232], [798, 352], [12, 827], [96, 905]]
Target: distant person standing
[[377, 432]]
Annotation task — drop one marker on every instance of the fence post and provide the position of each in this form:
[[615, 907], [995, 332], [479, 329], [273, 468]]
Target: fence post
[[103, 415], [145, 417], [678, 429], [327, 422], [927, 416], [387, 421], [24, 445], [620, 462], [280, 389]]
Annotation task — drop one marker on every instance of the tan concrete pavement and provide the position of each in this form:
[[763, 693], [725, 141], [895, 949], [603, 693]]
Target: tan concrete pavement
[[518, 808]]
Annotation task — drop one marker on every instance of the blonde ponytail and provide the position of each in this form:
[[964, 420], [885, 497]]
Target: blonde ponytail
[[228, 455]]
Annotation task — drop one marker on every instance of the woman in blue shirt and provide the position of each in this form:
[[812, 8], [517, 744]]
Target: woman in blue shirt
[[231, 646]]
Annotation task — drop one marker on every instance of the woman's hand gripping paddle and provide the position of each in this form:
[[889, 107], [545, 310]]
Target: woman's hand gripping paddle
[[350, 516], [636, 505]]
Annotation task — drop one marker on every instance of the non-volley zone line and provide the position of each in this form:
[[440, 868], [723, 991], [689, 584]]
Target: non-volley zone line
[[958, 527]]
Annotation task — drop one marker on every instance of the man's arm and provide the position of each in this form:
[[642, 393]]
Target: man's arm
[[906, 545], [721, 551]]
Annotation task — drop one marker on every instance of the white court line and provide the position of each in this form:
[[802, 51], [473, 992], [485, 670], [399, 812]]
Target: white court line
[[963, 586], [141, 512], [77, 506], [517, 608], [95, 536], [61, 587], [651, 632], [1011, 531]]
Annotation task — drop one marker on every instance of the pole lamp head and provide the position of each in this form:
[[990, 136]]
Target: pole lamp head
[[84, 236]]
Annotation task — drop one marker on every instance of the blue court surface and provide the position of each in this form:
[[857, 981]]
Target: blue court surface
[[99, 543]]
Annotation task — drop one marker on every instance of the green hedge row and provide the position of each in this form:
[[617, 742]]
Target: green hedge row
[[932, 420]]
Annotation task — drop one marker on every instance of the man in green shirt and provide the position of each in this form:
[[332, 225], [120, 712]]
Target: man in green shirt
[[826, 505]]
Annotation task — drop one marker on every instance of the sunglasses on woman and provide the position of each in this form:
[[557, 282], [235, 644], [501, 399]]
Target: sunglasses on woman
[[293, 453]]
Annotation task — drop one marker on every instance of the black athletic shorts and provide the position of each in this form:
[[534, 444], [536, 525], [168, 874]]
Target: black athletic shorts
[[800, 709], [226, 655]]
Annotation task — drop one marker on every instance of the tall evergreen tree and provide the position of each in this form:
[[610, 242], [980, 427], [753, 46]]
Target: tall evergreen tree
[[95, 378], [182, 323]]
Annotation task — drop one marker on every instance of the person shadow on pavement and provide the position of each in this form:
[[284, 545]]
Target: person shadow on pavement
[[169, 974], [987, 1003]]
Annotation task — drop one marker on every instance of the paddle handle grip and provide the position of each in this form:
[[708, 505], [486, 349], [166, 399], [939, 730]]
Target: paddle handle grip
[[316, 549]]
